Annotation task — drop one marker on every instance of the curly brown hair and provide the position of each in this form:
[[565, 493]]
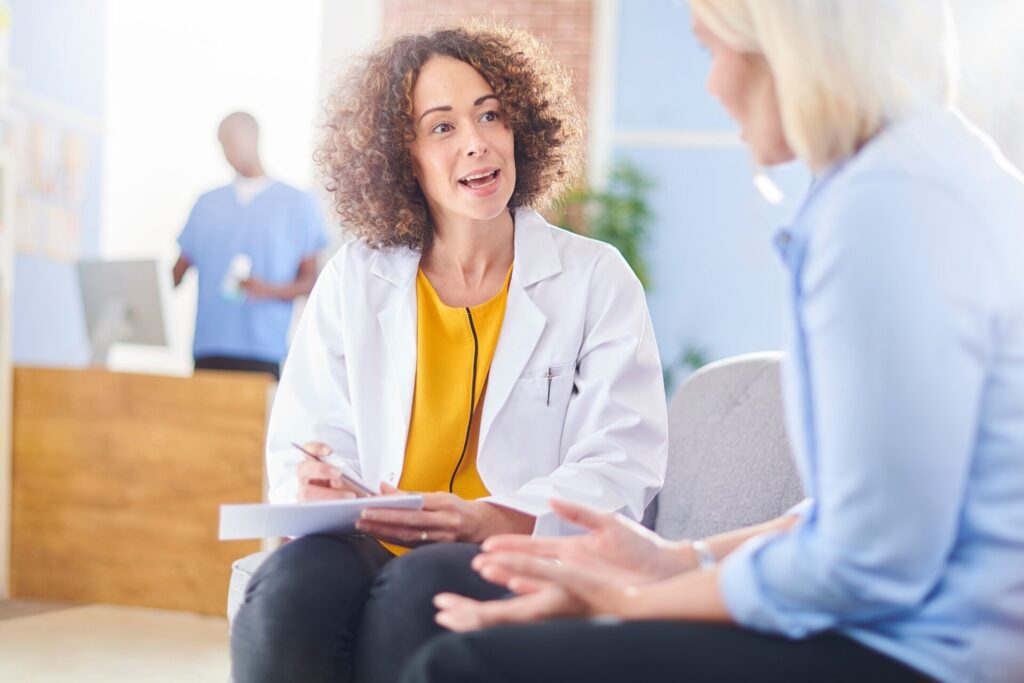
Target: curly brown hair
[[364, 151]]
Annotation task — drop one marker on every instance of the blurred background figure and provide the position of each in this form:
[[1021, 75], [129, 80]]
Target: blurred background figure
[[254, 243]]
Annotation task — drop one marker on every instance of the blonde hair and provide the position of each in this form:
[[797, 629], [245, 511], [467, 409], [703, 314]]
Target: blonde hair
[[842, 68]]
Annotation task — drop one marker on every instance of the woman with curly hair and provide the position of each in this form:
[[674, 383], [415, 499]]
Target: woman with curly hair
[[460, 347]]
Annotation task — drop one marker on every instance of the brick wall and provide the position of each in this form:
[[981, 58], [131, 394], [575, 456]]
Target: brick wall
[[565, 25]]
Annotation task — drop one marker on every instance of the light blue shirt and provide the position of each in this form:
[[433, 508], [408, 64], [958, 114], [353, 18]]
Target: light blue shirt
[[904, 389], [279, 228]]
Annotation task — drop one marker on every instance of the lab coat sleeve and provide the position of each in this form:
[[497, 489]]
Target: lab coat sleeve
[[313, 401], [615, 436]]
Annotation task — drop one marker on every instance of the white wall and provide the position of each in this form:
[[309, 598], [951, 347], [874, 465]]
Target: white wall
[[173, 71], [991, 67]]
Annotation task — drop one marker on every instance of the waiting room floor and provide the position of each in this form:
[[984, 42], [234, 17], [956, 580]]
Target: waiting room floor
[[50, 642]]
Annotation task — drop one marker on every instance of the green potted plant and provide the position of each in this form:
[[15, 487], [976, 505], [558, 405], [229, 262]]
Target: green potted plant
[[618, 214]]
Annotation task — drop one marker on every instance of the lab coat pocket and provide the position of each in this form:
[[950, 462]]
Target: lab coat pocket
[[537, 421], [535, 383]]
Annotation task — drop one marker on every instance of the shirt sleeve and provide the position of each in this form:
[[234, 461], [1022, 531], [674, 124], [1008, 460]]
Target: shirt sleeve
[[187, 238], [615, 436], [801, 509], [895, 310], [313, 401], [312, 226]]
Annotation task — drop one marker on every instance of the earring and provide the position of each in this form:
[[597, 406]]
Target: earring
[[767, 187]]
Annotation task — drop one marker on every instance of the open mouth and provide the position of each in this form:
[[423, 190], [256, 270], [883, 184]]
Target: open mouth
[[478, 180]]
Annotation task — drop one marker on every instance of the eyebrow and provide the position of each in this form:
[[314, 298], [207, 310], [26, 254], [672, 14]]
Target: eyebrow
[[476, 103]]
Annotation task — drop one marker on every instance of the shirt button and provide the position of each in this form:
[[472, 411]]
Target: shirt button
[[391, 476], [785, 237]]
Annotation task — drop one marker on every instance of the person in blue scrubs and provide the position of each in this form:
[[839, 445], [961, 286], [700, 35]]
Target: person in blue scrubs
[[904, 394], [254, 243]]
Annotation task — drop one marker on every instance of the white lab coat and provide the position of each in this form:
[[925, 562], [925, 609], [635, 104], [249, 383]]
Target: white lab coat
[[574, 307]]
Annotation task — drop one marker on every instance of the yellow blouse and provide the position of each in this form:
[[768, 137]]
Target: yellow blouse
[[442, 441]]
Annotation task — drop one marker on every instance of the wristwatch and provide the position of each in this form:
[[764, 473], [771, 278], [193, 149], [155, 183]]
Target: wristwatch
[[705, 558]]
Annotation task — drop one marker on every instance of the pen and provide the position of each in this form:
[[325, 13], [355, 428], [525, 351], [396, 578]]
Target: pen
[[347, 479]]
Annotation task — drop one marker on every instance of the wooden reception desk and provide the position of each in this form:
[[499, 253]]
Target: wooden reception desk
[[117, 482]]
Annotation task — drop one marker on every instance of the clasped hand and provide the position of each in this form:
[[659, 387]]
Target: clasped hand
[[575, 576]]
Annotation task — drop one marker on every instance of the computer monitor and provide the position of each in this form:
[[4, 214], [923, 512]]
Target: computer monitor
[[123, 303]]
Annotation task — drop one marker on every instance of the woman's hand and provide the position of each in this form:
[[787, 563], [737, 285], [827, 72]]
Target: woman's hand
[[317, 479], [575, 576], [445, 518], [619, 548], [548, 589]]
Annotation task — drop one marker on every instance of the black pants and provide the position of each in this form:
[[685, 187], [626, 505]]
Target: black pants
[[343, 608], [596, 652], [238, 364]]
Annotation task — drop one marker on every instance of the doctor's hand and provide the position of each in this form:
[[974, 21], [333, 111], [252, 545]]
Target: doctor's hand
[[319, 480], [258, 289], [621, 549], [547, 589], [445, 518]]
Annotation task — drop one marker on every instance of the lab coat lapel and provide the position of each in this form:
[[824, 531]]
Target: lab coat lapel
[[397, 320], [536, 258]]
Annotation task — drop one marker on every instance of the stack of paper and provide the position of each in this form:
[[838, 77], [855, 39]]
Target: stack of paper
[[263, 520]]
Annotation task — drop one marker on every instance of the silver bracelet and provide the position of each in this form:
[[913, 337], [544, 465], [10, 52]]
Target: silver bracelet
[[705, 558]]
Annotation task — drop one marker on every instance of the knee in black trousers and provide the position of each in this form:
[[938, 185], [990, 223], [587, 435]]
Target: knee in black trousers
[[301, 611], [399, 616], [665, 651]]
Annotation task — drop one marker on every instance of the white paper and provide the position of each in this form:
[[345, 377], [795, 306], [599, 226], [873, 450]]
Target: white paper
[[263, 520]]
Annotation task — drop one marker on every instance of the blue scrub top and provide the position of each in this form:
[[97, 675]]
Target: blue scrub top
[[279, 228]]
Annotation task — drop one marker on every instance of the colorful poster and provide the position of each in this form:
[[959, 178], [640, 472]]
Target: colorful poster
[[51, 161]]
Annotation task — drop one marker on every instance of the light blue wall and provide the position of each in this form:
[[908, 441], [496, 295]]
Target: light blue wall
[[661, 70], [716, 282], [58, 47]]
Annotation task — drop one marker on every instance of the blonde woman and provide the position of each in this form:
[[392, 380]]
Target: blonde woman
[[904, 390]]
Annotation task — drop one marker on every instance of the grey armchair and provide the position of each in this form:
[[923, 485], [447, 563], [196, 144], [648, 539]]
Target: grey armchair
[[729, 461]]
